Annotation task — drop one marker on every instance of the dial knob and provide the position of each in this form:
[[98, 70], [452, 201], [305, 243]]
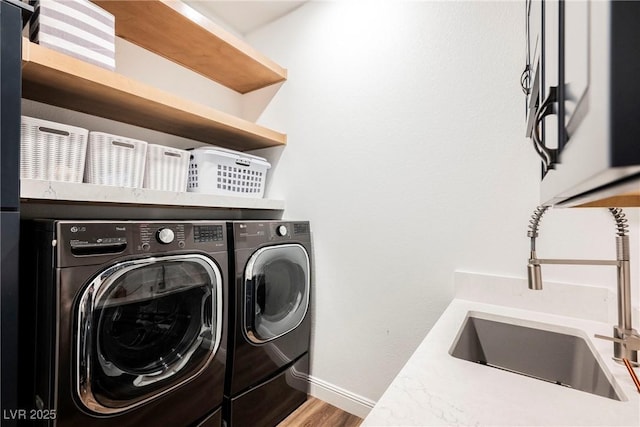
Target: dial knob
[[281, 230], [165, 235]]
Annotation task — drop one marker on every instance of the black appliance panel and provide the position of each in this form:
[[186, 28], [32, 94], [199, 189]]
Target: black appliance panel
[[256, 234], [212, 420], [101, 242], [258, 408], [252, 362], [55, 385]]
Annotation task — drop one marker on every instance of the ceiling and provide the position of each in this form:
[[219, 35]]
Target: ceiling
[[244, 16]]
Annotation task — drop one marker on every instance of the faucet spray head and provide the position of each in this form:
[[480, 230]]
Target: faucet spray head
[[534, 274], [534, 271]]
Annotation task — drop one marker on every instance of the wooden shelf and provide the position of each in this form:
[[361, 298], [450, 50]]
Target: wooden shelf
[[626, 200], [33, 190], [57, 79], [177, 32], [622, 194]]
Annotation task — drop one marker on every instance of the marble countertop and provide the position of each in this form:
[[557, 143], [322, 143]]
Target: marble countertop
[[41, 190], [434, 388]]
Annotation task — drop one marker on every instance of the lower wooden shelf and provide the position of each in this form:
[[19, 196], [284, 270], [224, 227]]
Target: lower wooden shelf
[[32, 190]]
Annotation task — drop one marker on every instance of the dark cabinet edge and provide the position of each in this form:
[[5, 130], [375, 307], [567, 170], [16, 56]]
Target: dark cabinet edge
[[27, 9]]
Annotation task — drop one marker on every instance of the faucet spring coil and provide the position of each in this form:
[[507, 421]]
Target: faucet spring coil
[[621, 221], [534, 222]]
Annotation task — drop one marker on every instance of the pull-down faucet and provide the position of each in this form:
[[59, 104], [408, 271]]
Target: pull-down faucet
[[626, 340]]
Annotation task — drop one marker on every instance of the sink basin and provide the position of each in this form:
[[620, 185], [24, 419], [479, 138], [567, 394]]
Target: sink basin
[[558, 355]]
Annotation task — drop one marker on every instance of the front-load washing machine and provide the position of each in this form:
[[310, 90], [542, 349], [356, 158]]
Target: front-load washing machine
[[268, 360], [129, 320]]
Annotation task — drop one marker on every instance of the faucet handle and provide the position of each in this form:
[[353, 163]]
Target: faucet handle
[[631, 341]]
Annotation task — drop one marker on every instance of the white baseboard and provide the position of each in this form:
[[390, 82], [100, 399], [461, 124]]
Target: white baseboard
[[337, 396]]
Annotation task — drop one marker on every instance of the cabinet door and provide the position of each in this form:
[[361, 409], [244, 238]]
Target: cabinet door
[[9, 238], [598, 57], [565, 65], [533, 35], [550, 68], [10, 77], [576, 64], [11, 54]]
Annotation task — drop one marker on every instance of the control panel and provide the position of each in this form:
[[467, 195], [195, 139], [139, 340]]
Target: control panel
[[301, 228], [155, 237], [164, 237], [86, 242], [251, 233], [208, 233]]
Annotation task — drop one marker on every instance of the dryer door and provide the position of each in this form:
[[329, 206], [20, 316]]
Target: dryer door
[[277, 289], [144, 328]]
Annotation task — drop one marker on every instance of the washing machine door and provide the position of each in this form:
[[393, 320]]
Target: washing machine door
[[276, 288], [144, 328]]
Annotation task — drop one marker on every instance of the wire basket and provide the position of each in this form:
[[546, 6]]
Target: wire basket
[[51, 151], [166, 168], [227, 172], [115, 160]]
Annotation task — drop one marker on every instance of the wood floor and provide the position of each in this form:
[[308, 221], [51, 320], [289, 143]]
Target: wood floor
[[316, 413]]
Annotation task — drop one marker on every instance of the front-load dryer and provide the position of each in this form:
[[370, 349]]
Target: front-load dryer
[[268, 360], [129, 320]]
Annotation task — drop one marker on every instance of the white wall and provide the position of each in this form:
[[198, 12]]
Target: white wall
[[406, 152]]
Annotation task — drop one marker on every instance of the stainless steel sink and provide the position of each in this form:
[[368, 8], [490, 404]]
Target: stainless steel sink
[[546, 352]]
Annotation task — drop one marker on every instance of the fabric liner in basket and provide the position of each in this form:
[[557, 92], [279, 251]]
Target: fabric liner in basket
[[166, 168], [115, 160], [52, 151]]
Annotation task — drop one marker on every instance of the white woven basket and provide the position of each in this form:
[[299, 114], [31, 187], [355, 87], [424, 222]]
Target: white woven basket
[[51, 151], [227, 172], [166, 168], [115, 160]]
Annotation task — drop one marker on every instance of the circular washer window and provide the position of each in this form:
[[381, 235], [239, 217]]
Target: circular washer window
[[277, 288], [145, 327]]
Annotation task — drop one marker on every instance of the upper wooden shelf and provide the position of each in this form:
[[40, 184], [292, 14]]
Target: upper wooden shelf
[[177, 32], [623, 194], [625, 200], [57, 79]]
